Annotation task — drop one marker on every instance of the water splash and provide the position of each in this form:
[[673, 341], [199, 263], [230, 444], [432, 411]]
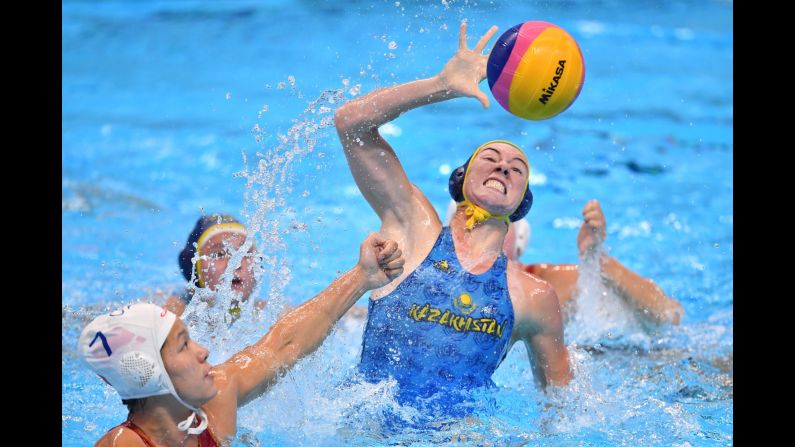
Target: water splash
[[599, 315], [315, 399], [269, 187]]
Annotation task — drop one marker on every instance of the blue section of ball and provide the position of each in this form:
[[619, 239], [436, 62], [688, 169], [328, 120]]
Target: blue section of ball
[[500, 53]]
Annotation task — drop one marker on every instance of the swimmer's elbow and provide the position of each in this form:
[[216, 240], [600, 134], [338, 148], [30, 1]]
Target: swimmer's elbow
[[341, 119], [352, 123], [344, 120]]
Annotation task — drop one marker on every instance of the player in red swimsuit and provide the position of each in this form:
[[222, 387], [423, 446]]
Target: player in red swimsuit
[[175, 397], [644, 297]]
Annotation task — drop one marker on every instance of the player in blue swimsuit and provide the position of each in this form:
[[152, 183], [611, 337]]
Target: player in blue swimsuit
[[448, 321], [442, 328]]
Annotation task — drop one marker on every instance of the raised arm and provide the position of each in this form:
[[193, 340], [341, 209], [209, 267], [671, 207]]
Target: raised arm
[[645, 297], [373, 163], [253, 370]]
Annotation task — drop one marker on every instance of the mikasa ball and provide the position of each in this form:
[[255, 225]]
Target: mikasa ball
[[535, 70]]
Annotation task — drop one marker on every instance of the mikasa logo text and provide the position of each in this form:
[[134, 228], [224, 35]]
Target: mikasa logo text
[[552, 85]]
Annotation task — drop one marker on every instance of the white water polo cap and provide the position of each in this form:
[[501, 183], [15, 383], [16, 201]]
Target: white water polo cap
[[123, 348], [522, 229]]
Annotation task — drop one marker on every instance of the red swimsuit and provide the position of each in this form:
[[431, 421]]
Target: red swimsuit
[[206, 438]]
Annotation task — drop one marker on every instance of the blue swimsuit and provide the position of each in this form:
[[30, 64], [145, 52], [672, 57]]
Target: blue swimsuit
[[442, 328]]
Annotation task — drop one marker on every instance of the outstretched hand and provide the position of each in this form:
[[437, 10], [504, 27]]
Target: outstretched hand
[[593, 229], [464, 71], [381, 260]]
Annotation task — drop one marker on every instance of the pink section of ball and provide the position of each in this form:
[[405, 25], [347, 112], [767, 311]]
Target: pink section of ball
[[526, 36]]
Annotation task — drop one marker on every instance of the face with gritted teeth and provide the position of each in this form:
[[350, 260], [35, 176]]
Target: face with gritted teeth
[[497, 178]]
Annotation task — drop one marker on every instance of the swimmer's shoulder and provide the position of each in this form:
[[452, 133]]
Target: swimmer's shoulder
[[533, 298], [531, 282]]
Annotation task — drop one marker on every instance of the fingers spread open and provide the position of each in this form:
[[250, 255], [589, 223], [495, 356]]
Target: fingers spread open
[[485, 39]]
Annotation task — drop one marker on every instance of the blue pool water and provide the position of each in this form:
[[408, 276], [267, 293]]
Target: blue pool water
[[175, 108]]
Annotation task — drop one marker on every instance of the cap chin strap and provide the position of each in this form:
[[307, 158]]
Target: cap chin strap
[[186, 424], [477, 214]]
